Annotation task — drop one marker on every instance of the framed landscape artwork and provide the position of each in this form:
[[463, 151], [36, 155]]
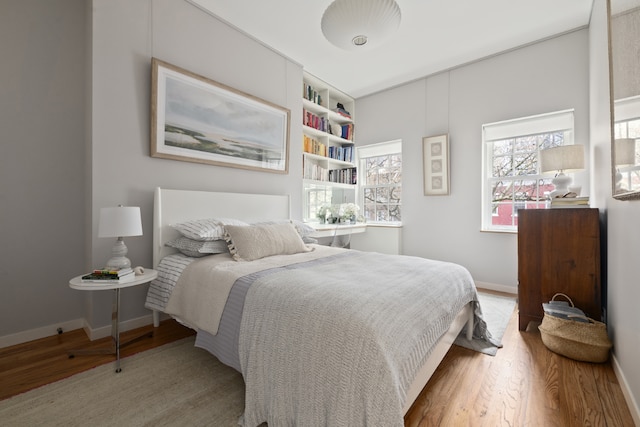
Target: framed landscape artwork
[[435, 153], [196, 119]]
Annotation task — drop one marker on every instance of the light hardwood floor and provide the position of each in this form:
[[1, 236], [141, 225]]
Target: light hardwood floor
[[523, 385]]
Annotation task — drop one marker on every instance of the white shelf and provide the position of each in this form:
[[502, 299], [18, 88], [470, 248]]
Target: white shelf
[[330, 163], [335, 140], [310, 182]]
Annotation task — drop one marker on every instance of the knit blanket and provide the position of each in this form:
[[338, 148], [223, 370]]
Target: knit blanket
[[340, 344]]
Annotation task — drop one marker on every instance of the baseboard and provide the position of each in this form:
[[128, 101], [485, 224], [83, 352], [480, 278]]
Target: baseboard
[[93, 334], [42, 332], [626, 391], [498, 288], [125, 325]]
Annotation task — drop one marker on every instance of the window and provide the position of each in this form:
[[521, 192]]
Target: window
[[380, 169], [317, 196], [511, 172]]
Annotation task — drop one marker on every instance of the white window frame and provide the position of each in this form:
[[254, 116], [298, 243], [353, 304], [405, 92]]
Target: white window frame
[[559, 121], [375, 150]]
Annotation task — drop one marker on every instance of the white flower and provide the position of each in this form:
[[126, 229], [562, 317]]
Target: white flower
[[348, 210]]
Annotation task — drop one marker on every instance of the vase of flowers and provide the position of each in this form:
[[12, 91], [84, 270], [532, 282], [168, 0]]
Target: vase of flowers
[[324, 214], [348, 212]]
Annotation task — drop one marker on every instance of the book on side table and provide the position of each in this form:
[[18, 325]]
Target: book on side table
[[106, 275]]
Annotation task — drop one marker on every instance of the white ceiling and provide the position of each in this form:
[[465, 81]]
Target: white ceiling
[[434, 35]]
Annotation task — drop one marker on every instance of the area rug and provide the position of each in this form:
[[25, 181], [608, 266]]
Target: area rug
[[496, 311], [173, 385]]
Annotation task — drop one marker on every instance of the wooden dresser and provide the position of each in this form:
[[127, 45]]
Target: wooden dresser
[[558, 251]]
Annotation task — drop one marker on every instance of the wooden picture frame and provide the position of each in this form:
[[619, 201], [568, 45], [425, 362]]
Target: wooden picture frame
[[435, 155], [196, 119]]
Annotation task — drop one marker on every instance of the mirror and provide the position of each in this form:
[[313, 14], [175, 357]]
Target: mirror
[[624, 60]]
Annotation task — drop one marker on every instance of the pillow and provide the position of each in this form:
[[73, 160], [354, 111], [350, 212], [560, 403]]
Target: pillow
[[302, 228], [251, 242], [206, 230], [197, 249]]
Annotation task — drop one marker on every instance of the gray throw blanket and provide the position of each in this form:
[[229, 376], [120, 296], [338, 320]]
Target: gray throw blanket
[[338, 344]]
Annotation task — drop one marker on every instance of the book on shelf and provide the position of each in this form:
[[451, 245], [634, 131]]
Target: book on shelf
[[340, 110], [309, 93]]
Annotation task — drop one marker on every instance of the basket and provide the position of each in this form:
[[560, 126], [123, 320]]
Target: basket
[[583, 341]]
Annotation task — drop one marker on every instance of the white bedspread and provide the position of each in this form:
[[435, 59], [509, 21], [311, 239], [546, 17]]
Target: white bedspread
[[201, 292], [338, 344]]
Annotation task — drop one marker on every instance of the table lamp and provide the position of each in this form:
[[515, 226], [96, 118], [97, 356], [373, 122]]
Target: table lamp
[[561, 159], [625, 155], [119, 222]]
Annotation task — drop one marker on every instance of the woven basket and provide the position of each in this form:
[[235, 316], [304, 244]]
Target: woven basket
[[586, 342]]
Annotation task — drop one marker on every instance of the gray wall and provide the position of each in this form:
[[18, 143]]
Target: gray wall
[[622, 232], [74, 112], [547, 76], [42, 152]]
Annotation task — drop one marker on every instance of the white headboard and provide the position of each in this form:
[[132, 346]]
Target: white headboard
[[174, 206]]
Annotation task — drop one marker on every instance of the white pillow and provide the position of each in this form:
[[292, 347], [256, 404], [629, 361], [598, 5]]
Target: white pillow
[[302, 228], [196, 248], [207, 229], [251, 242]]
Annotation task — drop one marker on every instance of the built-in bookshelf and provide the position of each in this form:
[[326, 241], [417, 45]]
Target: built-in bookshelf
[[328, 133], [329, 158]]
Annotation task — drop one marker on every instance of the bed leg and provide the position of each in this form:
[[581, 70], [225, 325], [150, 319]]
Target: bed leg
[[156, 318], [470, 324]]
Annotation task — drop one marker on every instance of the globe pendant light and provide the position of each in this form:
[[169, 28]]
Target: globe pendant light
[[358, 24]]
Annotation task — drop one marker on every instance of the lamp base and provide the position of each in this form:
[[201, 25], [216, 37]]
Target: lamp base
[[561, 183], [118, 258], [117, 263]]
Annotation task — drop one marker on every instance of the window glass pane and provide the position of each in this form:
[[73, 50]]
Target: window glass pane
[[382, 213], [504, 147], [527, 143], [382, 195], [371, 171], [503, 214], [395, 212], [383, 169], [502, 166], [395, 194], [525, 164], [369, 195]]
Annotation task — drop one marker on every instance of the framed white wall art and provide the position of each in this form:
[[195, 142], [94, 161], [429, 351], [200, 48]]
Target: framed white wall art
[[435, 155]]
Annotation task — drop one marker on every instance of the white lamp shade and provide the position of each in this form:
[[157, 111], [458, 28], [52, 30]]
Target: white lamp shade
[[358, 24], [563, 158], [120, 221], [625, 152]]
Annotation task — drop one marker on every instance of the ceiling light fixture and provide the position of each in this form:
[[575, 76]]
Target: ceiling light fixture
[[354, 24]]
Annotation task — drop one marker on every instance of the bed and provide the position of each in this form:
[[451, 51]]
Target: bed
[[316, 344]]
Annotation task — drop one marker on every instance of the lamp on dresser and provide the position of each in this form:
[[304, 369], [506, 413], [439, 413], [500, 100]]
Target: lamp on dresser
[[625, 155], [561, 159], [119, 222]]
